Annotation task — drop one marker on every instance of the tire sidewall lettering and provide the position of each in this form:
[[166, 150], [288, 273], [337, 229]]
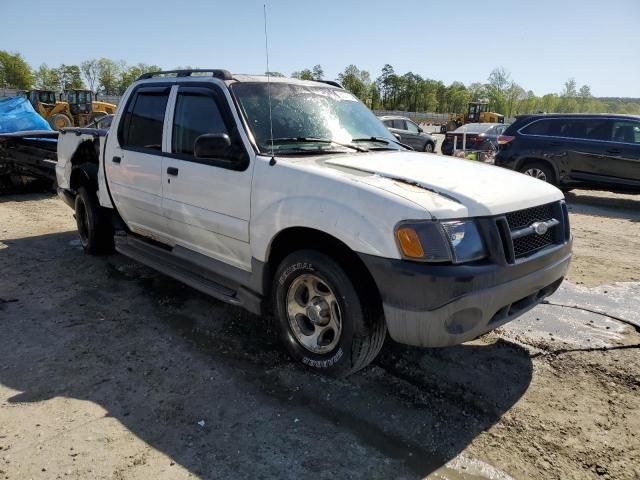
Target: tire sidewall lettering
[[294, 268], [330, 362]]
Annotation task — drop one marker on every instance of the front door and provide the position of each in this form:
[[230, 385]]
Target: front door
[[207, 201], [134, 170], [412, 135]]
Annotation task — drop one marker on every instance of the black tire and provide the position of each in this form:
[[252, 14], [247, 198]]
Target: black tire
[[429, 147], [59, 121], [363, 329], [96, 233], [539, 170]]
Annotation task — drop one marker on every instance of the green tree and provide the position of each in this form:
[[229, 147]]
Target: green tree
[[69, 77], [108, 76], [305, 74], [513, 95], [129, 74], [356, 81], [91, 71], [549, 103], [317, 72], [46, 78], [570, 88], [14, 71]]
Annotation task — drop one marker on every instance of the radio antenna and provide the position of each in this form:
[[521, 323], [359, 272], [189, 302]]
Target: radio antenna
[[272, 162]]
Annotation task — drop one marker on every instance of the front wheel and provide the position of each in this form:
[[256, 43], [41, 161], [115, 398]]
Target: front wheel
[[60, 121], [325, 322], [428, 147]]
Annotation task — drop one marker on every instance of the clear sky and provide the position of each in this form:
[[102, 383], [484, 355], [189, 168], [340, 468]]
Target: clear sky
[[541, 43]]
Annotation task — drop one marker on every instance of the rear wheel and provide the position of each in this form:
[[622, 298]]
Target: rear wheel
[[96, 233], [325, 322], [540, 171]]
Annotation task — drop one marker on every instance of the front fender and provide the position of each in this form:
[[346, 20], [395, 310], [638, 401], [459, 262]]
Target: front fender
[[370, 234]]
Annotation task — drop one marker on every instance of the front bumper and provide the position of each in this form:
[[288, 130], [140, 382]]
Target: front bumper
[[442, 305]]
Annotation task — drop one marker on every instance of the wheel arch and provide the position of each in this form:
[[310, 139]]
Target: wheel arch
[[529, 160], [299, 238], [84, 166]]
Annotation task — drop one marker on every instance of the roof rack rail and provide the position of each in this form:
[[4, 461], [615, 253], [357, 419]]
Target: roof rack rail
[[216, 73], [331, 82]]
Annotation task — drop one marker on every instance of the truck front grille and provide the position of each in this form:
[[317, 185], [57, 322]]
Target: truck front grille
[[529, 244], [519, 237], [524, 218]]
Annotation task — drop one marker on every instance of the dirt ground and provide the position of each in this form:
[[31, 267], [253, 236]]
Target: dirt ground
[[111, 370]]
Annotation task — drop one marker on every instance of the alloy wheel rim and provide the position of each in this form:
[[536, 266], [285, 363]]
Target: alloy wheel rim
[[536, 173], [314, 314]]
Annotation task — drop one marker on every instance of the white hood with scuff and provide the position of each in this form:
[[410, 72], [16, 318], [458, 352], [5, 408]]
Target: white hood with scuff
[[449, 186]]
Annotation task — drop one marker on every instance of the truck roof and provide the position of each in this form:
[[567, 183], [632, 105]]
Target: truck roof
[[230, 78]]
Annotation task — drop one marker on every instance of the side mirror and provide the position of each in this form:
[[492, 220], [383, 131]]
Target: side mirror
[[398, 137], [420, 130], [212, 145]]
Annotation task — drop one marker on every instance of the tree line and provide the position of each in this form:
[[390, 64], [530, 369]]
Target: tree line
[[388, 91]]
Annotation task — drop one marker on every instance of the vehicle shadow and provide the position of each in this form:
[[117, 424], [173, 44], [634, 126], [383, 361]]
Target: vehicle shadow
[[159, 357], [626, 207]]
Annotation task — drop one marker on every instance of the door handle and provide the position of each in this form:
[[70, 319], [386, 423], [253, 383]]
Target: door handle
[[614, 151], [116, 159], [172, 171]]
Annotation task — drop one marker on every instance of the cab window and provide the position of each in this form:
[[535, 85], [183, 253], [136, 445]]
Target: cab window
[[142, 126], [195, 115]]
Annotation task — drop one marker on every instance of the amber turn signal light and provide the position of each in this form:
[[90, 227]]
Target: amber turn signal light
[[409, 242]]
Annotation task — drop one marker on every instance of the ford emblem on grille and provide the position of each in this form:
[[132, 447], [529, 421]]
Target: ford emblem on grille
[[540, 227]]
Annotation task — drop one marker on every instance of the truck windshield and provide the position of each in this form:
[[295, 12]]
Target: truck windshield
[[309, 112]]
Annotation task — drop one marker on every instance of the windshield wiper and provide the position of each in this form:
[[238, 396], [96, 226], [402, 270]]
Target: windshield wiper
[[282, 140], [381, 140]]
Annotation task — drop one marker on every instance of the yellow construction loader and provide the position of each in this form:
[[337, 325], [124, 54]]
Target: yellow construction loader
[[54, 111], [84, 107], [477, 112]]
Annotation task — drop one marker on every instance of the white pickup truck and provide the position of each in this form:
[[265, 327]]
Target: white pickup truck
[[291, 198]]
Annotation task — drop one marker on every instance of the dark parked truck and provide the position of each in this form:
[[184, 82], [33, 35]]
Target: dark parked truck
[[290, 198]]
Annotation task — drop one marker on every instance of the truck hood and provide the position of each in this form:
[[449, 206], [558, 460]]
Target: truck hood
[[449, 187]]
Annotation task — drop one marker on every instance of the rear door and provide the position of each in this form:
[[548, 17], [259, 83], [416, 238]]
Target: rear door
[[207, 201], [604, 150], [134, 168], [622, 151], [584, 150]]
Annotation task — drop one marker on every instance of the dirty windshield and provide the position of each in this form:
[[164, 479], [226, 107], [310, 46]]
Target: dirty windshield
[[309, 119]]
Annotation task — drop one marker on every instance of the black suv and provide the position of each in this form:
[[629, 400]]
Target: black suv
[[575, 150]]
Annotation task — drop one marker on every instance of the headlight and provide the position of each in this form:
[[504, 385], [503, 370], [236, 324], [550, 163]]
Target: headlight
[[455, 241]]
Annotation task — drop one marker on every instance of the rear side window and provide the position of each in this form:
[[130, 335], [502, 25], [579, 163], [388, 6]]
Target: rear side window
[[388, 123], [540, 127], [142, 126], [625, 131], [399, 124], [195, 115]]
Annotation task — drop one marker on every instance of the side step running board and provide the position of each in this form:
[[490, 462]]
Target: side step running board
[[182, 270]]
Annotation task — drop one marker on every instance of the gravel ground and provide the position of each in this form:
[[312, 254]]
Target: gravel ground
[[111, 370]]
